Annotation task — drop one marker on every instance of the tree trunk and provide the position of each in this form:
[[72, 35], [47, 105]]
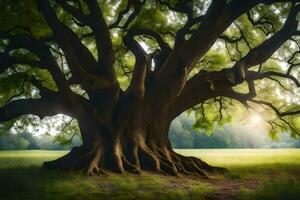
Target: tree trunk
[[141, 143]]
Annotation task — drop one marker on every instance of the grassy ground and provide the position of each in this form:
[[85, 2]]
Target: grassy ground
[[254, 174]]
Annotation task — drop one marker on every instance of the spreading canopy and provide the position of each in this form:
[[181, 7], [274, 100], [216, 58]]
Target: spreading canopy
[[208, 56]]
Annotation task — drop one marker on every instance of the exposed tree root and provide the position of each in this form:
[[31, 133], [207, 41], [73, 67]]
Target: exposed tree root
[[162, 160], [79, 159]]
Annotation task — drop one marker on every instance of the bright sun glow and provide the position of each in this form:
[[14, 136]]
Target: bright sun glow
[[255, 119]]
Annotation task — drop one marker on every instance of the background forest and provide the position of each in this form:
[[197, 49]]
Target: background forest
[[183, 135]]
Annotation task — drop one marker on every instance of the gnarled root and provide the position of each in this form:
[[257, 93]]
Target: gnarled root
[[133, 157], [79, 158]]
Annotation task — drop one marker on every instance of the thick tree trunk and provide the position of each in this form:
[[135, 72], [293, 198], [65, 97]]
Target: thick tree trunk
[[140, 146]]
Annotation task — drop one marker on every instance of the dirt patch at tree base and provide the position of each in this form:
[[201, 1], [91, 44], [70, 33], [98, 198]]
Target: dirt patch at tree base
[[224, 188], [227, 189]]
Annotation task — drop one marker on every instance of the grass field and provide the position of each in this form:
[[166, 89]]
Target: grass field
[[253, 174]]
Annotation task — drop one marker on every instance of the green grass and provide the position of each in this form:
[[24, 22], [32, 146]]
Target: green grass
[[277, 190], [249, 163], [276, 171]]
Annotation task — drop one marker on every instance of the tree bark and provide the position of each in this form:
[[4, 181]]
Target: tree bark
[[139, 142]]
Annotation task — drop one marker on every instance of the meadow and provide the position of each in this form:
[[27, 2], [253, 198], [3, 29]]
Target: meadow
[[261, 174]]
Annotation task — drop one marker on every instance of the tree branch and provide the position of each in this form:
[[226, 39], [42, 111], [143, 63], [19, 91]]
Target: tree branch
[[78, 14], [42, 107], [275, 109], [264, 51], [7, 61], [76, 54], [159, 55], [137, 9], [121, 15], [103, 40], [142, 31], [255, 75], [183, 7], [38, 48], [137, 5], [137, 84]]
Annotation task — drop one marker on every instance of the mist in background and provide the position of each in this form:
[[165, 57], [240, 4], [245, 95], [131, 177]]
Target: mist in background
[[182, 134], [29, 141]]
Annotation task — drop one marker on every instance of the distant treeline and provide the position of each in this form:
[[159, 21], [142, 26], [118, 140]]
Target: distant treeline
[[182, 135], [27, 141]]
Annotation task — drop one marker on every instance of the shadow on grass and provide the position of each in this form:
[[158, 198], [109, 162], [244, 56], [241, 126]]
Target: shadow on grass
[[264, 171], [278, 190], [32, 183]]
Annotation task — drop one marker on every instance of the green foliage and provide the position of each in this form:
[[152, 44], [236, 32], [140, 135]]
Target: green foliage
[[47, 142], [272, 65], [16, 84], [221, 56], [16, 14], [154, 19], [124, 66], [216, 60], [212, 114], [10, 86], [68, 130], [22, 17]]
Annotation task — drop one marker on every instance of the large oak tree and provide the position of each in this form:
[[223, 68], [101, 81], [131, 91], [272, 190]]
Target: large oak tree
[[125, 69]]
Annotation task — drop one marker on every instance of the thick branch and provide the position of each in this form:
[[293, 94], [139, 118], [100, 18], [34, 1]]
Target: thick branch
[[77, 55], [40, 49], [218, 17], [47, 106], [69, 41], [7, 61], [137, 84], [103, 40], [207, 85], [173, 74]]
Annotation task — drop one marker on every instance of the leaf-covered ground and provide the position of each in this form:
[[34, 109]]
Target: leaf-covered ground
[[254, 174]]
